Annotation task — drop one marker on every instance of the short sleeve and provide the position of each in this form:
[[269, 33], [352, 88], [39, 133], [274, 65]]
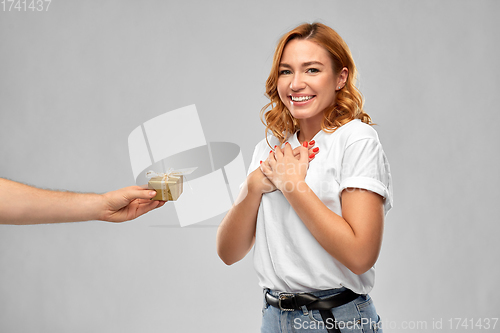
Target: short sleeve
[[254, 163], [365, 166], [260, 152]]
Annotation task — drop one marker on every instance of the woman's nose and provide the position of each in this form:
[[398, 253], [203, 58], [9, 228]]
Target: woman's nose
[[297, 83]]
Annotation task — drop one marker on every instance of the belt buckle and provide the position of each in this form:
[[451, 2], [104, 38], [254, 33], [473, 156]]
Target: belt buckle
[[282, 297]]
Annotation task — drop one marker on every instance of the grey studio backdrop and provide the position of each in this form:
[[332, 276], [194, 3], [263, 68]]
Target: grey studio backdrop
[[77, 79]]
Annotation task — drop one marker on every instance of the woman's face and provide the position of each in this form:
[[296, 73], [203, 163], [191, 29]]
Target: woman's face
[[306, 82]]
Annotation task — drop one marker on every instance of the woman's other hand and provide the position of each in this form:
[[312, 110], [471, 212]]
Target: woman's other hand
[[311, 150], [259, 183]]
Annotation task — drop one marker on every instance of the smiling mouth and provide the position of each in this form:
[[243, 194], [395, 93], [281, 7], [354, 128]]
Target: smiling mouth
[[301, 98]]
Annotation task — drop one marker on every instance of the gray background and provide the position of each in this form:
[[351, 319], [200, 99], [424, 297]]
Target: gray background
[[76, 80]]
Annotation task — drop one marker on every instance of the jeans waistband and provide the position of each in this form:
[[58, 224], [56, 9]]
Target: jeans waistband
[[318, 293]]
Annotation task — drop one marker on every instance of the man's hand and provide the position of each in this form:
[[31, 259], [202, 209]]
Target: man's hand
[[128, 203]]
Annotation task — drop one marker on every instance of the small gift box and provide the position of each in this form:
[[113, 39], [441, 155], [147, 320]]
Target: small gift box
[[168, 186]]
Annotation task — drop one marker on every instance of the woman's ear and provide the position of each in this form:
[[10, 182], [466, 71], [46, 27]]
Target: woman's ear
[[344, 73]]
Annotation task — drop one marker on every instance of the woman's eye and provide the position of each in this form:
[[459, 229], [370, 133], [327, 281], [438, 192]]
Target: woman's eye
[[313, 70], [285, 72]]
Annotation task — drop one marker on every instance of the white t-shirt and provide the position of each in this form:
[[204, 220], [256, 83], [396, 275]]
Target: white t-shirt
[[286, 256]]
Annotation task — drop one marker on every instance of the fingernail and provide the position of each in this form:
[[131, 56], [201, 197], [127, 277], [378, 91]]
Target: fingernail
[[152, 193], [312, 142], [275, 147], [305, 144], [260, 162], [287, 143], [315, 149], [270, 151], [311, 156]]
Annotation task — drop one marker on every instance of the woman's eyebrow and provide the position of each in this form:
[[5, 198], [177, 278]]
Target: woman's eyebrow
[[305, 64]]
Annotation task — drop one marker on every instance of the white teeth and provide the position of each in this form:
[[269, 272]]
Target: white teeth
[[301, 98]]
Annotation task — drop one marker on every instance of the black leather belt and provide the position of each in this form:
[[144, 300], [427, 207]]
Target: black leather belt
[[294, 302]]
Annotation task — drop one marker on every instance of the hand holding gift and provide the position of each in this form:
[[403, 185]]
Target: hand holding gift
[[23, 204]]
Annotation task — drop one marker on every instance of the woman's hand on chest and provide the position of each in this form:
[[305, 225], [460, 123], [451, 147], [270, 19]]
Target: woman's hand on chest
[[286, 171]]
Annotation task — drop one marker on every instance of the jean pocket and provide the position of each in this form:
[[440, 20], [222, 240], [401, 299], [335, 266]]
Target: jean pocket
[[378, 326], [370, 320], [264, 308], [265, 305]]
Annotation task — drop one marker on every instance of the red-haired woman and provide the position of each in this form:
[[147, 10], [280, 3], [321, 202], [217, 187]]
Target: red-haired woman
[[313, 205]]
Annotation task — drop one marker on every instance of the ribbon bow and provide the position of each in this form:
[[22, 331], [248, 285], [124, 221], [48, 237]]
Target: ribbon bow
[[170, 172]]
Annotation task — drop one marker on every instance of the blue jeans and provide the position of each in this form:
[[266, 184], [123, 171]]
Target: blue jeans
[[358, 316]]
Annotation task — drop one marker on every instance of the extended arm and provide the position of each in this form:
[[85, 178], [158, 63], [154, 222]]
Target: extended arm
[[23, 204]]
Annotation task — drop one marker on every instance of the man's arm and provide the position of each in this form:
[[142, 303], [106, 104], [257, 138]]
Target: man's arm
[[23, 204]]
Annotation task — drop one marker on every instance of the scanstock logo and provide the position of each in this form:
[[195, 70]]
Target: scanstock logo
[[175, 140]]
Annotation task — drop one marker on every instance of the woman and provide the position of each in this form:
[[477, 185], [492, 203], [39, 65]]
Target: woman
[[316, 219]]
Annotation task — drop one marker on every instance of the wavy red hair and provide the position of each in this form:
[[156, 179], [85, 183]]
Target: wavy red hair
[[349, 101]]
